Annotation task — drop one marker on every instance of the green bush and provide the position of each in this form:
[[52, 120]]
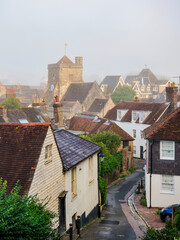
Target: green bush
[[23, 218], [177, 220], [132, 169], [103, 189], [167, 233], [143, 202], [158, 211], [11, 102]]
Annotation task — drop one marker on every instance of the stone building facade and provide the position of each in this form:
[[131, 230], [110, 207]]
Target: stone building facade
[[60, 75]]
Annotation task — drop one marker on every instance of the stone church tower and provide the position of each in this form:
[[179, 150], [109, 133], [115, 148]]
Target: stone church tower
[[60, 75]]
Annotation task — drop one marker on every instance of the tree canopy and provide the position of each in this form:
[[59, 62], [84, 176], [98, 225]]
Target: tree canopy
[[11, 102], [23, 218], [123, 93]]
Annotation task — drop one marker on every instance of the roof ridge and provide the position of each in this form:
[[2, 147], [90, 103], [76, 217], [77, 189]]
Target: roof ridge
[[26, 124]]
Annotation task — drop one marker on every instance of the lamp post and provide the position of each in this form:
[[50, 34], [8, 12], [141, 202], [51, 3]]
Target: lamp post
[[101, 157]]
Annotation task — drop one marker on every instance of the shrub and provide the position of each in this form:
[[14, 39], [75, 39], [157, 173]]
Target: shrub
[[143, 202], [177, 220], [132, 169], [158, 211], [103, 189]]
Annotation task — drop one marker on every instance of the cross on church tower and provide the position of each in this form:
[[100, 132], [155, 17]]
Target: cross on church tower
[[65, 46]]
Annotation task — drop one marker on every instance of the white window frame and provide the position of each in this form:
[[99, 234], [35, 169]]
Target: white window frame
[[134, 133], [161, 149], [134, 150], [135, 116], [166, 183], [142, 133]]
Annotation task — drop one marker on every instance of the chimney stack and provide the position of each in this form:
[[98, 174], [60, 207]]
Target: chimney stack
[[171, 95], [79, 60], [40, 102], [58, 113]]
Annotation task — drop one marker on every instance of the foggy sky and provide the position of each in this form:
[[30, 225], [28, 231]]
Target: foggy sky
[[115, 37]]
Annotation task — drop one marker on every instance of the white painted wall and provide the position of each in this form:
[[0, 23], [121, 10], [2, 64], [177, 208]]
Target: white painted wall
[[159, 199], [87, 192], [48, 180], [128, 127]]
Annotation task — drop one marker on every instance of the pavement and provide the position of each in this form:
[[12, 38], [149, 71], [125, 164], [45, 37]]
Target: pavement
[[117, 223]]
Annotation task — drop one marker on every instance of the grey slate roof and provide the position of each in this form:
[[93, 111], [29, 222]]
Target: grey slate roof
[[111, 81], [30, 114], [77, 91], [97, 105], [74, 149]]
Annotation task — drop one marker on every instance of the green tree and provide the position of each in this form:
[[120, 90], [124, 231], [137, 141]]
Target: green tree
[[123, 93], [11, 102], [23, 218]]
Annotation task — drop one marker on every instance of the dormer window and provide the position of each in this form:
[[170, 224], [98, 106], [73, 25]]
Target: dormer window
[[135, 116], [23, 120], [121, 113], [40, 118]]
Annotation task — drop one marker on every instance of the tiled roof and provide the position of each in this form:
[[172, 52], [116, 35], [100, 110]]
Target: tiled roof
[[156, 110], [30, 114], [20, 148], [92, 125], [64, 59], [74, 149], [111, 81], [77, 91], [168, 129], [97, 105], [147, 73], [130, 79], [82, 123]]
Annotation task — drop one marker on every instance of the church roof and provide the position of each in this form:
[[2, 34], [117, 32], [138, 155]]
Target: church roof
[[77, 91], [111, 82], [64, 59]]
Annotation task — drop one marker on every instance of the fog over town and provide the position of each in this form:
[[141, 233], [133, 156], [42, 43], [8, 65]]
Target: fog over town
[[114, 37]]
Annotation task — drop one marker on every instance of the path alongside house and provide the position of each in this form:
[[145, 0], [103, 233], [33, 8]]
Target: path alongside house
[[115, 224]]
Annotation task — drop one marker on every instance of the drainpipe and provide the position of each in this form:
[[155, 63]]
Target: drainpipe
[[151, 144]]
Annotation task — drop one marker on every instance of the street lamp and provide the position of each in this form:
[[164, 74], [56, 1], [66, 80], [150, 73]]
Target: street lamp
[[101, 158]]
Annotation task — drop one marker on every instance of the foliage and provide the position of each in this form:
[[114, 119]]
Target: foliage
[[143, 202], [11, 102], [167, 233], [177, 220], [23, 218], [132, 169], [158, 211], [111, 140], [103, 189], [123, 93]]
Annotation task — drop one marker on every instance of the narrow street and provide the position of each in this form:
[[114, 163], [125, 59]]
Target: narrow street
[[115, 224]]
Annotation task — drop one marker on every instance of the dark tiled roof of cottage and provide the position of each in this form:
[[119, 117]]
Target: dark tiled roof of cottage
[[20, 148], [74, 149], [83, 123], [111, 81], [168, 129], [30, 114], [65, 59], [156, 110], [77, 91], [92, 125], [97, 105], [111, 126], [130, 79]]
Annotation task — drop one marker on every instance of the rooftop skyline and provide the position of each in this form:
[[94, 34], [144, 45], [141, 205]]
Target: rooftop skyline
[[114, 37]]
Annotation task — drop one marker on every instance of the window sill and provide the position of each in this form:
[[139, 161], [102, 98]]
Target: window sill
[[170, 193]]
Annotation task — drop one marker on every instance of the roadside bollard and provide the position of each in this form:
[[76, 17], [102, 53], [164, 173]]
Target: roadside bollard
[[78, 225], [139, 187], [70, 231]]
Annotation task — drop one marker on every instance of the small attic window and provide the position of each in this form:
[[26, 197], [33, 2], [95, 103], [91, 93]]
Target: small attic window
[[40, 118], [23, 120]]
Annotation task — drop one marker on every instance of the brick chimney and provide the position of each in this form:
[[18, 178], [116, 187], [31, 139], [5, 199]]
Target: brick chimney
[[171, 95], [58, 114], [79, 60], [40, 102], [136, 99]]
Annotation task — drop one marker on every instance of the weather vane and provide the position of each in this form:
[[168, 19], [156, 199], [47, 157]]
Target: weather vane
[[65, 46]]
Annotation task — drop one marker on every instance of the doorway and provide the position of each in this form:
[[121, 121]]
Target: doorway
[[62, 214], [141, 152]]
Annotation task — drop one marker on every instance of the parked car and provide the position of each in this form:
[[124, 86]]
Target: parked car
[[166, 213]]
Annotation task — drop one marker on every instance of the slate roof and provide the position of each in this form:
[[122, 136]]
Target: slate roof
[[156, 110], [30, 114], [92, 125], [97, 105], [111, 81], [130, 79], [168, 129], [147, 73], [74, 149], [64, 59], [77, 91], [20, 148]]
